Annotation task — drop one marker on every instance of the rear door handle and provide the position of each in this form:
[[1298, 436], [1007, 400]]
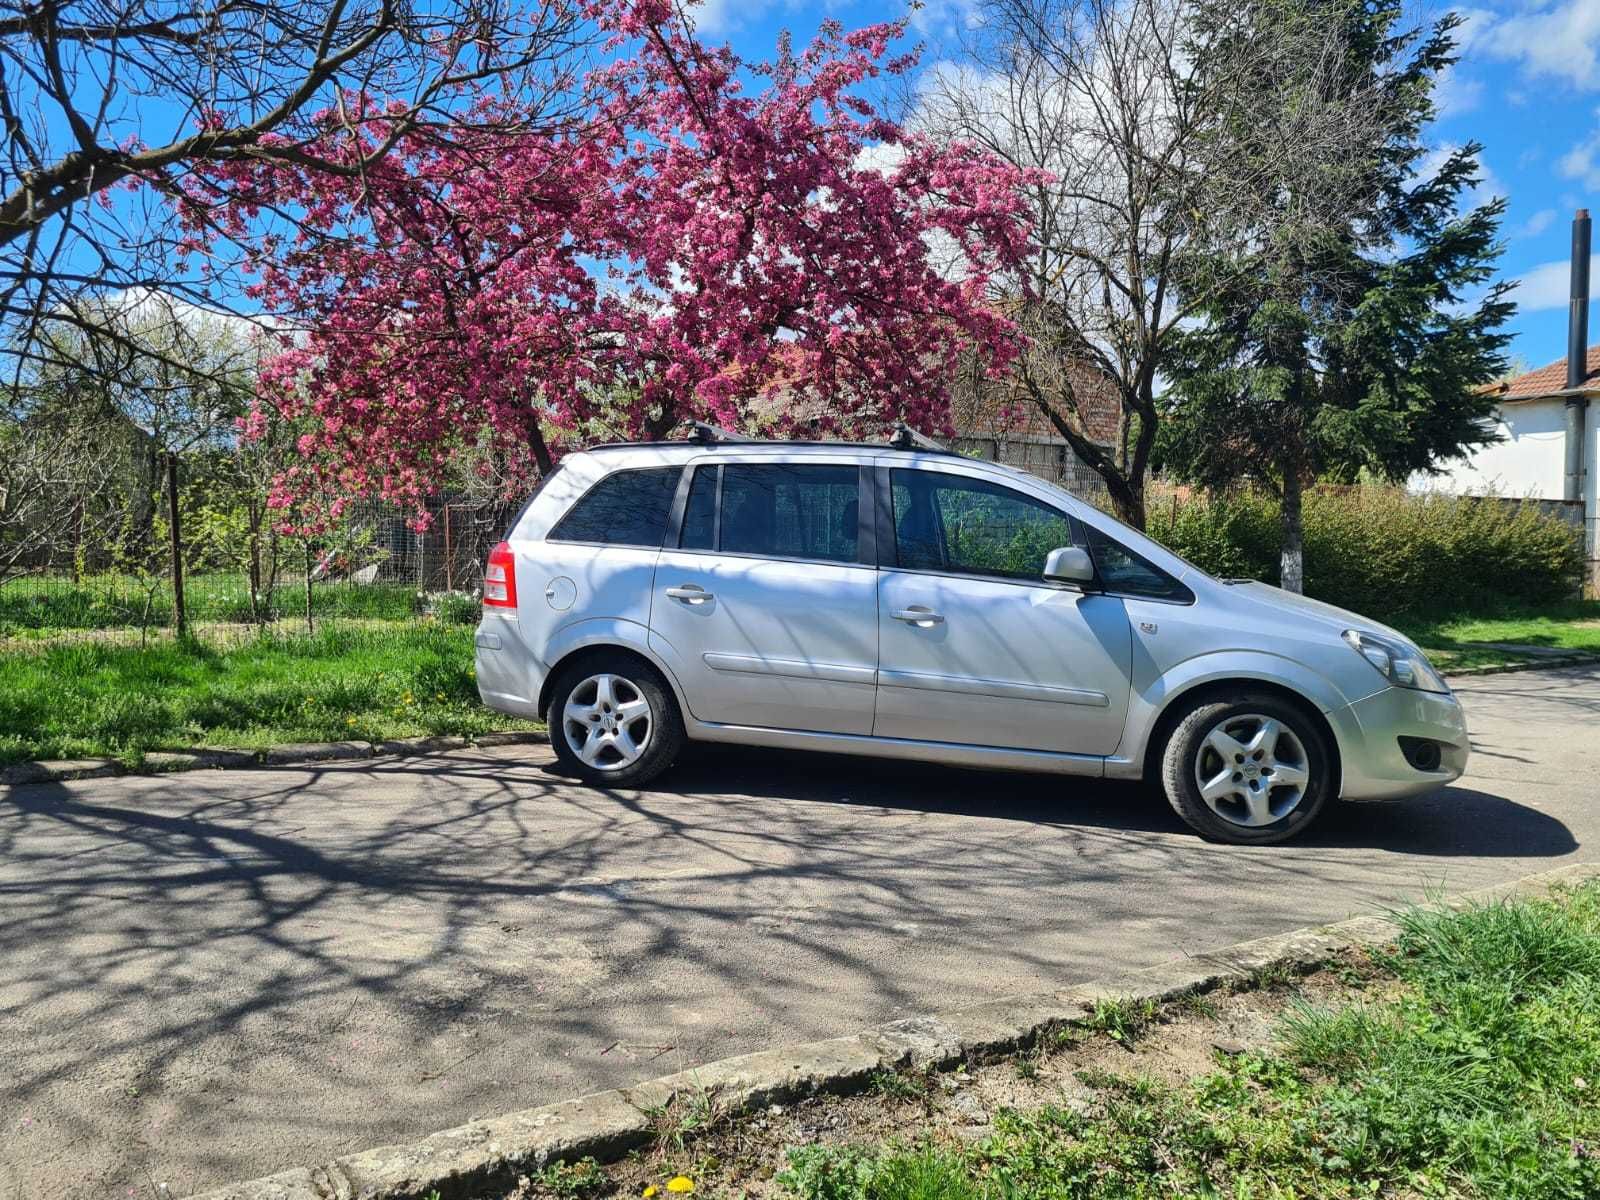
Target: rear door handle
[[690, 593], [918, 615]]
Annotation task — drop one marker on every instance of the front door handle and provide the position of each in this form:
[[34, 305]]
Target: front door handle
[[690, 593], [918, 615]]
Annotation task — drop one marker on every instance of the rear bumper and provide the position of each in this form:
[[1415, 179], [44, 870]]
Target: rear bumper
[[509, 675], [1369, 732]]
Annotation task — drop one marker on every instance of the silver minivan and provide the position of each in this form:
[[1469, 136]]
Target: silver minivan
[[901, 601]]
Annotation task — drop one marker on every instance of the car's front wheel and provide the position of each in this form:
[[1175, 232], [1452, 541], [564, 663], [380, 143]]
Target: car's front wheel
[[613, 720], [1247, 768]]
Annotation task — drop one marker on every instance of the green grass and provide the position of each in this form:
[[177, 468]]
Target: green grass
[[91, 698], [46, 604], [1474, 1074], [1458, 642]]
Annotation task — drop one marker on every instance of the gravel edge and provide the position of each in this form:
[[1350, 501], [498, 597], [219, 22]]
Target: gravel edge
[[458, 1163], [164, 762]]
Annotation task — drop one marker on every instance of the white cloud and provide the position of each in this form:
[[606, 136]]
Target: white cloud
[[1536, 224], [880, 157], [723, 16], [1549, 285], [1455, 94], [1582, 162], [1556, 41]]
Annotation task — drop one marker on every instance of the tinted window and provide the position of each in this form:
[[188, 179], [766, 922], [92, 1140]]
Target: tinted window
[[1123, 571], [629, 508], [790, 511], [700, 514], [969, 526]]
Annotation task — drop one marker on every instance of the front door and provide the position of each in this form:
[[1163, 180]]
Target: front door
[[974, 647], [765, 610]]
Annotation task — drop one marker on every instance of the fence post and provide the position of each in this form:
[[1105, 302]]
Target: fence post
[[310, 628], [449, 556], [180, 614]]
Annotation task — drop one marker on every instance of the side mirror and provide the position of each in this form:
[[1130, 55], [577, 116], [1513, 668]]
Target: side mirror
[[1069, 564]]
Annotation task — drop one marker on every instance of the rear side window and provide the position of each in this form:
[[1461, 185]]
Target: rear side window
[[789, 510], [628, 508]]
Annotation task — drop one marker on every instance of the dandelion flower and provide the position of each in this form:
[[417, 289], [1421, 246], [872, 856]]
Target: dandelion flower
[[680, 1183], [650, 1190]]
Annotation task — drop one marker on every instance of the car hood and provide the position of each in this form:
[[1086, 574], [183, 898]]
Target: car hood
[[1303, 608]]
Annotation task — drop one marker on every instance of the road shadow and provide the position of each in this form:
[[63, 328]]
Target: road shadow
[[358, 953], [1452, 822]]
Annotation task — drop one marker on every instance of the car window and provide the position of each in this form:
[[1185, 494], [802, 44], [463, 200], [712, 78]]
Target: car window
[[972, 527], [700, 514], [628, 508], [790, 510], [1130, 574]]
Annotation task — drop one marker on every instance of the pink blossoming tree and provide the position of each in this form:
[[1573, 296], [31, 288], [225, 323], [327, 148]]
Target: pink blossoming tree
[[697, 247]]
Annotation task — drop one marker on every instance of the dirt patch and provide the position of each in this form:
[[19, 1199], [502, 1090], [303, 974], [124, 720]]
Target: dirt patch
[[1183, 1041]]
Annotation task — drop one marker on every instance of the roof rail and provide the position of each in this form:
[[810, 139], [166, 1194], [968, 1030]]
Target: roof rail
[[906, 438], [702, 433]]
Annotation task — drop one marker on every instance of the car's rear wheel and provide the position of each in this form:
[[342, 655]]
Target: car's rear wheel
[[613, 720], [1247, 768]]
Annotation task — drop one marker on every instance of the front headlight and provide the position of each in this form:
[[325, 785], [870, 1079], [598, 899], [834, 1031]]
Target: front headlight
[[1400, 665]]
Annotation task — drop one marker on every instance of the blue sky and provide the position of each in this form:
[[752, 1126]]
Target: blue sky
[[1527, 88]]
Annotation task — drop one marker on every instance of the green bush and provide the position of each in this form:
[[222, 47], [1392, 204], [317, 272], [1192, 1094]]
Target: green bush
[[1384, 551]]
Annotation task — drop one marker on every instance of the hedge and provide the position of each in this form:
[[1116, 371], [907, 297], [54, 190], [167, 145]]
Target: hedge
[[1386, 551]]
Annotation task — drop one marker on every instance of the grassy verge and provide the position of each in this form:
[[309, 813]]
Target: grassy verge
[[1466, 641], [96, 699], [48, 605], [1463, 1063]]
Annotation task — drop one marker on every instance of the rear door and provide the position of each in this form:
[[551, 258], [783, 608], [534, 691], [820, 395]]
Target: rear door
[[766, 608], [974, 646]]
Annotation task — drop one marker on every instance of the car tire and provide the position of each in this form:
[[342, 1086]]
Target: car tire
[[1247, 768], [613, 720]]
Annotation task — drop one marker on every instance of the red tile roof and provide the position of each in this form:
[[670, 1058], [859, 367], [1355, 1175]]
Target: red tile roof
[[1549, 380]]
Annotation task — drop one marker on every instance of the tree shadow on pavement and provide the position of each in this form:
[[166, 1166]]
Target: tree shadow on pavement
[[217, 975], [1453, 821]]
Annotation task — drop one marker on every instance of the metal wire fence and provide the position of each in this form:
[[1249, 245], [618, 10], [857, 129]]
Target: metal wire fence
[[376, 568]]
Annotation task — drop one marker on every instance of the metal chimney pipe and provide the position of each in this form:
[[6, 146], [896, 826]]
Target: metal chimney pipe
[[1577, 356]]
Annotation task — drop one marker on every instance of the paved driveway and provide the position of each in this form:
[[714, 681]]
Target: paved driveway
[[217, 975]]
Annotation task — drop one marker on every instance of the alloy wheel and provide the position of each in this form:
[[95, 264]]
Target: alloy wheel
[[1252, 770], [607, 721]]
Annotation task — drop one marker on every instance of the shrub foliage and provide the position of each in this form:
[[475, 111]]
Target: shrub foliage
[[1384, 551]]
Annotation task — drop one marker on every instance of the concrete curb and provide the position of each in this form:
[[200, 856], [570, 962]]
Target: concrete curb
[[1537, 664], [459, 1163], [164, 762]]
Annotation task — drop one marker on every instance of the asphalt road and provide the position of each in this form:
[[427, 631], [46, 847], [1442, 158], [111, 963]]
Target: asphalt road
[[216, 975]]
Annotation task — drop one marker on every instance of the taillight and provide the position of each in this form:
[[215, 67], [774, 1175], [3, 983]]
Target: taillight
[[500, 578]]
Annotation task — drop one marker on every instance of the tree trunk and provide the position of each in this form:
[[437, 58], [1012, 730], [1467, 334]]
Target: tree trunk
[[538, 447], [180, 612], [1128, 499], [1291, 570]]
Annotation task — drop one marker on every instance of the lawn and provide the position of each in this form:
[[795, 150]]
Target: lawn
[[92, 698], [47, 605], [1462, 1062], [1458, 642]]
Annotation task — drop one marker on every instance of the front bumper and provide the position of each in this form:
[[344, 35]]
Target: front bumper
[[1369, 733]]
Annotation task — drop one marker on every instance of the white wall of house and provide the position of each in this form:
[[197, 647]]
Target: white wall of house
[[1530, 460]]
